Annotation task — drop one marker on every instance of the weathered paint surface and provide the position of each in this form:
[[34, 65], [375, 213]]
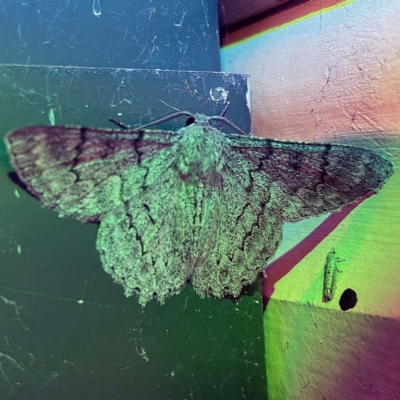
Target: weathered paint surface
[[332, 75]]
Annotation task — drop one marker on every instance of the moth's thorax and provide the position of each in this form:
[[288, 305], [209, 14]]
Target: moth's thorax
[[201, 150]]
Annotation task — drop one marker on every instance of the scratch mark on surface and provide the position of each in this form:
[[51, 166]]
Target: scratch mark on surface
[[62, 10], [152, 12], [137, 58], [54, 375], [76, 5], [142, 352], [205, 12], [70, 300], [153, 49], [312, 315], [185, 302], [16, 309], [96, 8], [4, 358], [180, 23], [175, 371], [70, 363]]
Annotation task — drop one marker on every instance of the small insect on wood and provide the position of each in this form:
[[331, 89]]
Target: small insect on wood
[[330, 275]]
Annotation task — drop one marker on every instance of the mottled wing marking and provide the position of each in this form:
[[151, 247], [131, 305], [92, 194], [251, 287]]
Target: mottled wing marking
[[309, 179], [147, 243], [77, 171], [248, 227]]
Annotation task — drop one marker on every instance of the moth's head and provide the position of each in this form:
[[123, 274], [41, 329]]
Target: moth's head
[[198, 119], [206, 121]]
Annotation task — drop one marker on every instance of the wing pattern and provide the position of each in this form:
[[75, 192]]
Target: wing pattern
[[193, 205], [77, 171]]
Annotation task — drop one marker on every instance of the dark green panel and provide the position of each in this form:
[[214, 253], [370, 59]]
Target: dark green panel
[[89, 96], [74, 335]]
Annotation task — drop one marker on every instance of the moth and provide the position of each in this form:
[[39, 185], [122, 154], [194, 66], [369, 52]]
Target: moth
[[193, 205]]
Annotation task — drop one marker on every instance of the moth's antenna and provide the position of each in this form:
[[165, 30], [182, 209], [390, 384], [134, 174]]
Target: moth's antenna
[[168, 105], [229, 123], [167, 118], [227, 104], [118, 123], [223, 112], [155, 122]]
